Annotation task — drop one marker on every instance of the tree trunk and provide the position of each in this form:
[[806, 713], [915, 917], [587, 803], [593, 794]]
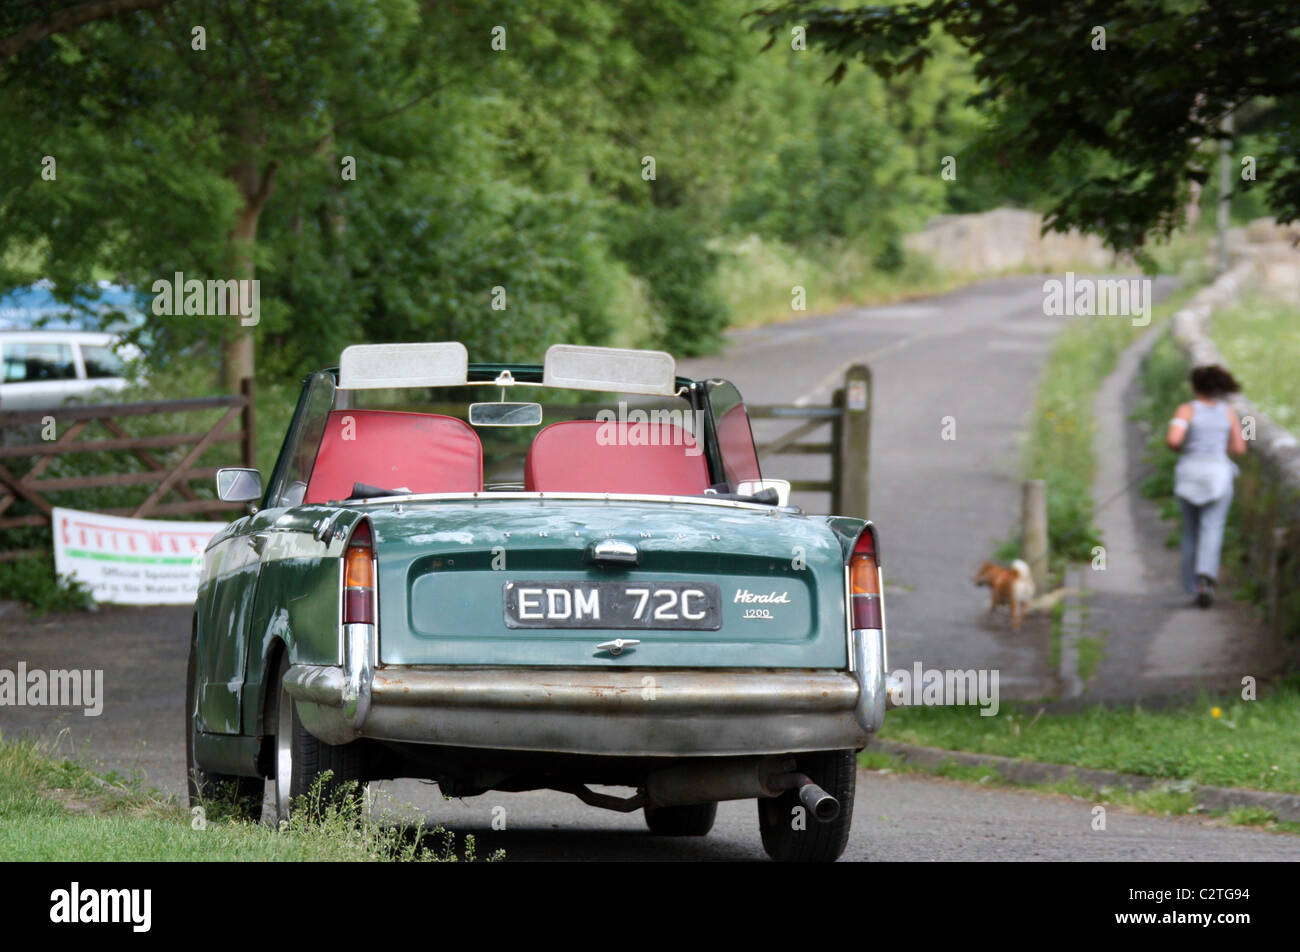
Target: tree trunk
[[237, 350]]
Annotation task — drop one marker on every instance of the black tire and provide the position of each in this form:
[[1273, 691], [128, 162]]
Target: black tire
[[207, 789], [694, 820], [309, 756], [835, 771]]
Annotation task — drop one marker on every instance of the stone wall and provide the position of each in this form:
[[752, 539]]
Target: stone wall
[[1005, 239]]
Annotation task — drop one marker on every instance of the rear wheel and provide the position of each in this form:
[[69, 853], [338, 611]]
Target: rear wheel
[[694, 820], [207, 789], [790, 835], [301, 758]]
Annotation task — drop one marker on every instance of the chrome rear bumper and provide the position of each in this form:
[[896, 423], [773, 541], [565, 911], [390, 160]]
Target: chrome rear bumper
[[613, 711]]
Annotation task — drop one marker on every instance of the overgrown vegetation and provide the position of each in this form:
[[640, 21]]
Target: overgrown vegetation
[[1120, 99], [56, 809], [1170, 798], [1059, 448], [1219, 741], [1164, 387], [1260, 340], [609, 168], [34, 582]]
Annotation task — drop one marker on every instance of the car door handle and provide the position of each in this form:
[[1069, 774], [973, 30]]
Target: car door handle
[[258, 541]]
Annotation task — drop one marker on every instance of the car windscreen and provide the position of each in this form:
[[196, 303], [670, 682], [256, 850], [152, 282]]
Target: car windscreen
[[584, 439]]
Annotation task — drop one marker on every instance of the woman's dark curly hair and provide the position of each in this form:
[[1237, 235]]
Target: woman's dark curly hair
[[1213, 380]]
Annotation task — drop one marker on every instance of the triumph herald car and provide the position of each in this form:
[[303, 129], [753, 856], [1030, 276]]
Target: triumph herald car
[[518, 577]]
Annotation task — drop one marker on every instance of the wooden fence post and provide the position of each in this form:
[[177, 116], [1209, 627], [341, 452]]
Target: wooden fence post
[[853, 457], [837, 441], [1033, 530]]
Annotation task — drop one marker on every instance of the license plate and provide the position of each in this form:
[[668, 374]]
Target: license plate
[[683, 606]]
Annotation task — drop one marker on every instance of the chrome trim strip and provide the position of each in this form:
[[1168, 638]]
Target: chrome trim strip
[[848, 621], [884, 624], [585, 497]]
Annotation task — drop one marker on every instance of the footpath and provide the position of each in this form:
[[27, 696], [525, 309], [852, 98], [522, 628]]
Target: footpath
[[1153, 640]]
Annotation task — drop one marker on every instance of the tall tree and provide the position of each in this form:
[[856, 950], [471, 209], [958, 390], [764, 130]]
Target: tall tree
[[24, 24], [172, 129], [1125, 91]]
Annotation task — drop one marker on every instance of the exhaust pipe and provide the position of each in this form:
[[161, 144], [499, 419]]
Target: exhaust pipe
[[820, 805]]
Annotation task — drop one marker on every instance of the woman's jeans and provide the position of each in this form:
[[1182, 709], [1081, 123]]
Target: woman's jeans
[[1203, 538]]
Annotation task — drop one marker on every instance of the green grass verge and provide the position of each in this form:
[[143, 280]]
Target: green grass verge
[[1163, 800], [757, 279], [1248, 744], [1164, 387], [54, 809], [1260, 340], [1091, 654], [1059, 447]]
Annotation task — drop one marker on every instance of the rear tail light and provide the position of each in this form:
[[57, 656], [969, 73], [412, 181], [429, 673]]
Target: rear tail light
[[864, 582], [359, 579]]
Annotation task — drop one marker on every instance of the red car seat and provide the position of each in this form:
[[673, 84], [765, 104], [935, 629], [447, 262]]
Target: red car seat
[[425, 452], [580, 456]]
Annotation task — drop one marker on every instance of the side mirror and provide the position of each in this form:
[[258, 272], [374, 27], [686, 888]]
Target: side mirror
[[748, 487], [239, 485]]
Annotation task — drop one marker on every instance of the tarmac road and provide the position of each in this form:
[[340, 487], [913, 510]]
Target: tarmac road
[[142, 653], [941, 506]]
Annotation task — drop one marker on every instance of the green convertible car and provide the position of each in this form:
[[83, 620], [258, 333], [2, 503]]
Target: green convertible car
[[518, 577]]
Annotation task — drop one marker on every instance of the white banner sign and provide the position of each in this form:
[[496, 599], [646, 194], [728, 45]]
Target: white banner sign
[[131, 561]]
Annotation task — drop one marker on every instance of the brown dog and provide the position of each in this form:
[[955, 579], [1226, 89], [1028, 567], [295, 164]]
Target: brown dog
[[1013, 587]]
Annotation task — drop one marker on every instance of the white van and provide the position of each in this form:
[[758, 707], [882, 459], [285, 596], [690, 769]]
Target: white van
[[49, 368]]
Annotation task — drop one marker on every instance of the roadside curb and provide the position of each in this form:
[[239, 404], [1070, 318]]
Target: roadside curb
[[1284, 806]]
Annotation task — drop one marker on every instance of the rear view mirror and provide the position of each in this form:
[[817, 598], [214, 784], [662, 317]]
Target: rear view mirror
[[505, 414], [239, 485], [749, 487]]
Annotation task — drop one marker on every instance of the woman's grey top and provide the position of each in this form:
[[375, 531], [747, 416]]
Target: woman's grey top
[[1204, 472]]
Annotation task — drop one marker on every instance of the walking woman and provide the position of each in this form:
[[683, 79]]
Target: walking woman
[[1205, 431]]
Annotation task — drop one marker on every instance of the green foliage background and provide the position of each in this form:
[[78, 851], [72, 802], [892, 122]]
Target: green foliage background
[[475, 168]]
